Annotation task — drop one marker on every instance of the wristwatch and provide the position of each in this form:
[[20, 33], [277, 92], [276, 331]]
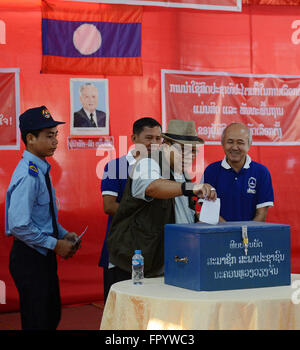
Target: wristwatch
[[187, 192]]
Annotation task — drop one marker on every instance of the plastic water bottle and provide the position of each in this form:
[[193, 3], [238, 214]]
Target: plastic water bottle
[[137, 267]]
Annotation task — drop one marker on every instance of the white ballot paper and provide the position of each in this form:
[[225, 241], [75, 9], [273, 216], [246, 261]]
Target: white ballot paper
[[210, 211]]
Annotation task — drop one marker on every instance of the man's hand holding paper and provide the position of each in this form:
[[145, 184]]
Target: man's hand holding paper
[[210, 211], [204, 191]]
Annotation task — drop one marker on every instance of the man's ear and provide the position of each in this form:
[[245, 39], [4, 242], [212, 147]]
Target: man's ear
[[133, 138], [30, 138]]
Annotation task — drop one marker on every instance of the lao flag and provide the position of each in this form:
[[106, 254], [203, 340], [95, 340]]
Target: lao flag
[[88, 38]]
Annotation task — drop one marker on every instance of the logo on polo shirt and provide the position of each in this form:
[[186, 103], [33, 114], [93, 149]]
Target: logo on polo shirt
[[251, 185]]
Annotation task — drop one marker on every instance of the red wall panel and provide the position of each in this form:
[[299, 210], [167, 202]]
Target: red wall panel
[[257, 40]]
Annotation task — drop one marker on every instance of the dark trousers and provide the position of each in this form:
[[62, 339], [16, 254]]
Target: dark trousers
[[111, 276], [36, 279]]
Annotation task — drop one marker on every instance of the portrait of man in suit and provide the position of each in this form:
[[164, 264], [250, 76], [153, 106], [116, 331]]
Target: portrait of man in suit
[[89, 116]]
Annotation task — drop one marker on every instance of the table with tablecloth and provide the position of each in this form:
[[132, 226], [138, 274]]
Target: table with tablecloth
[[156, 305]]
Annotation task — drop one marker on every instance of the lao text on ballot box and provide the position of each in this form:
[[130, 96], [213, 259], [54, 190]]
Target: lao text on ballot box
[[230, 255]]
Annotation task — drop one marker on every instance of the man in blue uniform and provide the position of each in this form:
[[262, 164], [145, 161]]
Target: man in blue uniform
[[243, 186], [146, 132], [31, 218]]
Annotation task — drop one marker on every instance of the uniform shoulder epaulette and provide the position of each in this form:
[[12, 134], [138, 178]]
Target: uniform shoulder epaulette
[[32, 169]]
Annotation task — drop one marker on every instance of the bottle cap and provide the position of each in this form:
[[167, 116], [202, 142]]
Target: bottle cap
[[138, 251]]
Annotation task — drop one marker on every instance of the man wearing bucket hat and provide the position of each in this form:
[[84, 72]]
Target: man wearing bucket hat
[[31, 218], [157, 193]]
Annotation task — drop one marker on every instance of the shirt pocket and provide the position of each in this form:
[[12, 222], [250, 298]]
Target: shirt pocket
[[41, 211], [43, 199]]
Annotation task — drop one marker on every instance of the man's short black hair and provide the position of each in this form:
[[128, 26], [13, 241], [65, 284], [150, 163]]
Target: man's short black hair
[[33, 132], [140, 124]]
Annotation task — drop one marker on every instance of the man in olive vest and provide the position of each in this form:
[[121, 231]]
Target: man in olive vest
[[157, 193]]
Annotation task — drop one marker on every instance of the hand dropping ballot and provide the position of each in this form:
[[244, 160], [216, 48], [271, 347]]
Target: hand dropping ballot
[[210, 211]]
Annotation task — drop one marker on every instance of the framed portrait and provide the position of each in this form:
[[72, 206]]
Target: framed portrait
[[89, 106]]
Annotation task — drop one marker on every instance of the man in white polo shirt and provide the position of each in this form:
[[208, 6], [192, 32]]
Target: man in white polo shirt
[[157, 193], [244, 186]]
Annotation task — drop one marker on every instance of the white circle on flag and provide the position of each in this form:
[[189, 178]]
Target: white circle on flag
[[87, 39]]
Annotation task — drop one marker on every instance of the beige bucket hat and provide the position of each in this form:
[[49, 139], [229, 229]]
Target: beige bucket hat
[[183, 132]]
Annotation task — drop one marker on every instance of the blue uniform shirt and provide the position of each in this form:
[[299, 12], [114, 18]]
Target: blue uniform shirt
[[243, 192], [27, 207], [113, 183]]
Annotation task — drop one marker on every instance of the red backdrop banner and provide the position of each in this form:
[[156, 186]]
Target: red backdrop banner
[[9, 109], [220, 5], [268, 105], [271, 2], [258, 40]]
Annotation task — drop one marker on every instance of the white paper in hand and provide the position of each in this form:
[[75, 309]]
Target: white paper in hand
[[210, 212]]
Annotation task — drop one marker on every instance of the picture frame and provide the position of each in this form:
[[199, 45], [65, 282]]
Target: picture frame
[[89, 96]]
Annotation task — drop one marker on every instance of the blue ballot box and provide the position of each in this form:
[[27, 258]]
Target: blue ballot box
[[213, 257]]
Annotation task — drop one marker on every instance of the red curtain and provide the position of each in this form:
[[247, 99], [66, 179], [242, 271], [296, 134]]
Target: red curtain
[[258, 40]]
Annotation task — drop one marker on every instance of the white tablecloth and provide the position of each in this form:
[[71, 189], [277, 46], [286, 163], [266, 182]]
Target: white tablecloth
[[155, 305]]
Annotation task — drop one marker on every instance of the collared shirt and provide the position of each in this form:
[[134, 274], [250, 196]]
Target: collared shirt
[[27, 207], [243, 192], [113, 184], [146, 171], [115, 176]]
